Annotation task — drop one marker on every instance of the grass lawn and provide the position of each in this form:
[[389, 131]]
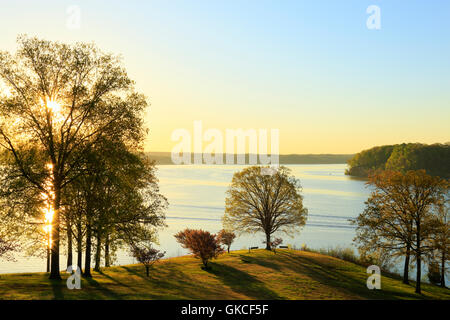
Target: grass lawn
[[260, 274]]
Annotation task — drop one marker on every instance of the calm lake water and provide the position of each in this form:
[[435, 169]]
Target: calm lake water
[[196, 197]]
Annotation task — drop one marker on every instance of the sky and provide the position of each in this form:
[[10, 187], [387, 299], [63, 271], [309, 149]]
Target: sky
[[311, 69]]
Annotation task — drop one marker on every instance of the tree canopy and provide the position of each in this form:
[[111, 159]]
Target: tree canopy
[[434, 158], [63, 105], [269, 203]]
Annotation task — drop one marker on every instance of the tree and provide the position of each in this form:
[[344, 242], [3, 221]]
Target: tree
[[146, 255], [440, 242], [202, 244], [6, 247], [275, 243], [116, 200], [269, 203], [385, 224], [226, 238], [398, 215], [63, 99]]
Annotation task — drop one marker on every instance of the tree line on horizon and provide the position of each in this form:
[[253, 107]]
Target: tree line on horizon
[[434, 158]]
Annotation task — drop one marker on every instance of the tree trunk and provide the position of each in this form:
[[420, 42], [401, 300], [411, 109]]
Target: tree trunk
[[98, 252], [54, 272], [69, 245], [268, 241], [443, 270], [419, 260], [87, 258], [79, 246], [406, 268], [48, 257], [107, 262], [228, 249], [147, 270]]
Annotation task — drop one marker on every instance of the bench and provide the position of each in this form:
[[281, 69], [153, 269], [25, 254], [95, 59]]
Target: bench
[[252, 248], [283, 247]]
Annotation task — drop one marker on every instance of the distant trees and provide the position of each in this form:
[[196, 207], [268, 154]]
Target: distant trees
[[267, 203], [226, 238], [202, 244], [146, 255], [399, 215], [65, 103], [434, 158]]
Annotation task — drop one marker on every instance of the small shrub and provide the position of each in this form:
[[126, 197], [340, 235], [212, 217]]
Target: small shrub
[[226, 238], [202, 244], [146, 255]]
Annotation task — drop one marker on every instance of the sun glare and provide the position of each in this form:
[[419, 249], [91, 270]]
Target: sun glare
[[52, 105]]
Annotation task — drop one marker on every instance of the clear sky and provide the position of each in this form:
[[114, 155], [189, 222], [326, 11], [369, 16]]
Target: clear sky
[[309, 68]]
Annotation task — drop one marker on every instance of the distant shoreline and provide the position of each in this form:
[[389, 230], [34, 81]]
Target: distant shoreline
[[164, 158]]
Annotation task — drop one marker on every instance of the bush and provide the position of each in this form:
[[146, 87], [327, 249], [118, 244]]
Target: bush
[[146, 255], [226, 238], [202, 244]]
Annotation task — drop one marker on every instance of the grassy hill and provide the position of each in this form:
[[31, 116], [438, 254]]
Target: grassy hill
[[260, 274]]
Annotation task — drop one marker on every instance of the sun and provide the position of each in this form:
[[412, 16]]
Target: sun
[[54, 106]]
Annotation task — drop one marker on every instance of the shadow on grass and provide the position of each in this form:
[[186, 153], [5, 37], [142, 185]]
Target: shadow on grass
[[331, 274], [262, 262], [107, 292], [57, 287], [168, 282], [113, 279], [242, 282]]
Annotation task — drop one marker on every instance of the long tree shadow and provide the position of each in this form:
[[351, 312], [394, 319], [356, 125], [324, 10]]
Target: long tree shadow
[[57, 287], [113, 279], [107, 292], [335, 276], [262, 262], [171, 283], [242, 282]]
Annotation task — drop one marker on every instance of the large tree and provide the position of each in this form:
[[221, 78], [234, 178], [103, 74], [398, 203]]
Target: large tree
[[61, 99], [262, 202], [399, 215]]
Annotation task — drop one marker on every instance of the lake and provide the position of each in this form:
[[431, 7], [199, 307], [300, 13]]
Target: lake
[[196, 195]]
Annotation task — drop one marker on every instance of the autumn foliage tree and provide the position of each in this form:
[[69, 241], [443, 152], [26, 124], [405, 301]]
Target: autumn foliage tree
[[399, 215], [146, 255], [202, 244], [263, 202], [226, 238]]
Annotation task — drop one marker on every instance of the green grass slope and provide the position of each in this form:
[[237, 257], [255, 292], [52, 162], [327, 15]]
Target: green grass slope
[[260, 274]]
